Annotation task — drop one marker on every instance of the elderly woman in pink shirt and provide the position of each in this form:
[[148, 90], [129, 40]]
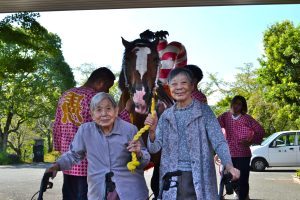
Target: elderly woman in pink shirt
[[241, 131]]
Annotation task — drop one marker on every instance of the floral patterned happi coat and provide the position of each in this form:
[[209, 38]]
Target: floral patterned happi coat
[[204, 137]]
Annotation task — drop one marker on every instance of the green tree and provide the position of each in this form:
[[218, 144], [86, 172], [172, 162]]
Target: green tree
[[245, 84], [43, 127], [34, 73], [115, 91], [24, 43], [271, 114], [19, 139], [280, 71], [84, 70]]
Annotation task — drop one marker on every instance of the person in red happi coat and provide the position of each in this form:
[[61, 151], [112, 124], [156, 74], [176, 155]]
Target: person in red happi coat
[[241, 131], [198, 76], [73, 110]]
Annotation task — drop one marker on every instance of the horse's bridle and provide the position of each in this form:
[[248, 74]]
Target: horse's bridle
[[126, 78], [130, 89]]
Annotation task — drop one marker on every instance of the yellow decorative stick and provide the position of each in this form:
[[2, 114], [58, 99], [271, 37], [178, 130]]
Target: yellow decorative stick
[[134, 161]]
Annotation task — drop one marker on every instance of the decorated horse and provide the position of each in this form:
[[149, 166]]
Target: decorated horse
[[147, 62]]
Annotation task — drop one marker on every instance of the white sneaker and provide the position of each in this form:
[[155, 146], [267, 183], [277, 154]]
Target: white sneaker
[[235, 196]]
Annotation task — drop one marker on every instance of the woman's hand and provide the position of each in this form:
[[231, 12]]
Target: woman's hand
[[151, 120], [217, 160], [135, 146], [233, 171], [53, 169]]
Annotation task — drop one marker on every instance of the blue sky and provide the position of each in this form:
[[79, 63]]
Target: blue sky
[[218, 39]]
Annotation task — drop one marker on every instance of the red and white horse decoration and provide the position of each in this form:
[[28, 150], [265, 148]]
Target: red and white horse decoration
[[172, 55]]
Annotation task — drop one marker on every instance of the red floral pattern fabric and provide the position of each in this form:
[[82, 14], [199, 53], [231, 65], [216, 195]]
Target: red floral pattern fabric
[[73, 110], [240, 130], [198, 95]]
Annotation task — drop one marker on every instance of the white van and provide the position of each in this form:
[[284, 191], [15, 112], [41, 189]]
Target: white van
[[280, 149]]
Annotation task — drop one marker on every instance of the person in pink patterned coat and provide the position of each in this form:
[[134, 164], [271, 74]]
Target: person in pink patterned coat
[[198, 76], [73, 110], [241, 131]]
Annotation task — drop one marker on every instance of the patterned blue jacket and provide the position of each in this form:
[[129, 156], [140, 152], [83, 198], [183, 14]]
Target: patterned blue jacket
[[204, 137]]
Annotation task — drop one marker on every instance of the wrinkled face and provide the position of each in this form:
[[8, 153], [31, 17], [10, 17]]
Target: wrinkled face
[[105, 114], [181, 88], [141, 71]]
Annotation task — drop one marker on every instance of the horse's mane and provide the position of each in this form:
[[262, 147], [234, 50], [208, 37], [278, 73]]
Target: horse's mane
[[133, 44], [138, 43]]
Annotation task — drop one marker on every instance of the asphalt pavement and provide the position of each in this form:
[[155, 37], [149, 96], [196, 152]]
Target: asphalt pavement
[[273, 184], [20, 182]]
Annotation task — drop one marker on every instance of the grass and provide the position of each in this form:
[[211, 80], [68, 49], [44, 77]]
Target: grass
[[8, 159], [298, 173], [51, 157]]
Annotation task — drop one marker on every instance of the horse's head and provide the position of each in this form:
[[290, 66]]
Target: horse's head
[[139, 72]]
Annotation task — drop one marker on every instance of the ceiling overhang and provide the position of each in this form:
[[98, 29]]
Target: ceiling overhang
[[9, 6]]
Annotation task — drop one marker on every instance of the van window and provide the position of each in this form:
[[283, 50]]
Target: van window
[[285, 140], [268, 139], [298, 139]]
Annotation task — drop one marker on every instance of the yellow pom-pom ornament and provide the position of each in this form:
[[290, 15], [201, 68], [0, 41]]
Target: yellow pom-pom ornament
[[134, 161]]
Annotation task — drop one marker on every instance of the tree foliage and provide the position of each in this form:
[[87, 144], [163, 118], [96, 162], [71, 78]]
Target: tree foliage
[[25, 44], [84, 70], [270, 113], [273, 89], [280, 66], [245, 84], [33, 73], [280, 70]]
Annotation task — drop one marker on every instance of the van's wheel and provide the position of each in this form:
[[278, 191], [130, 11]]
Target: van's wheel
[[259, 164]]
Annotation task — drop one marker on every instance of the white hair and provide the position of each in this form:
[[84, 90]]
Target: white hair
[[100, 97], [184, 71]]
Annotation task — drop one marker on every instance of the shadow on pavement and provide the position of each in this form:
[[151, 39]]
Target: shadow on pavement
[[257, 199], [26, 166], [278, 170]]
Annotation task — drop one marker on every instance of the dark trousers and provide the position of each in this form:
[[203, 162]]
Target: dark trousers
[[155, 181], [75, 187], [243, 164], [186, 189]]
